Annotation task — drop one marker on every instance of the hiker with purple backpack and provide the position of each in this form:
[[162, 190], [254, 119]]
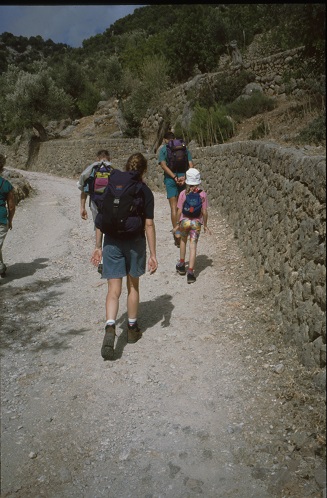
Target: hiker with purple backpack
[[92, 183], [175, 159]]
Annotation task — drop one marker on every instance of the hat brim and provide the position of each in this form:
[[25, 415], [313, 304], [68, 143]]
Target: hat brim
[[190, 182]]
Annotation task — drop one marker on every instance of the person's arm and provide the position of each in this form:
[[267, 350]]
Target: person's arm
[[97, 252], [163, 163], [205, 221], [83, 211], [11, 207], [190, 159], [176, 227], [81, 185], [150, 231], [167, 170]]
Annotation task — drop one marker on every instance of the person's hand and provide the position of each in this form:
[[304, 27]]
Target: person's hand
[[207, 230], [152, 264], [10, 225], [84, 215], [180, 180], [96, 256]]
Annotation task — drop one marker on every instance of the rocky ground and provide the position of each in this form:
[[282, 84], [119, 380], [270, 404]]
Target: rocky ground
[[210, 402]]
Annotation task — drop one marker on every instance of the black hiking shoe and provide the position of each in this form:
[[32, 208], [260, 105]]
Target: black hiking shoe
[[107, 350], [190, 277], [180, 268], [133, 333]]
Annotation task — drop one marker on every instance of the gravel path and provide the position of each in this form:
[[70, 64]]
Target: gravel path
[[198, 407]]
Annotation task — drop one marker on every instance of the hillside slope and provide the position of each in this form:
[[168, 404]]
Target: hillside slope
[[281, 125]]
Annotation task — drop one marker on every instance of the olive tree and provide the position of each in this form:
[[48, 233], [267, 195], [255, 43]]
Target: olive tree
[[31, 100]]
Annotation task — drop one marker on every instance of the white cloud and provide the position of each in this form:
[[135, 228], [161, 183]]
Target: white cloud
[[69, 24]]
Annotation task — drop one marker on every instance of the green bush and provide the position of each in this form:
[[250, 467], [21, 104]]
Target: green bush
[[181, 132], [260, 131], [245, 108], [314, 133], [87, 103], [223, 91], [210, 126]]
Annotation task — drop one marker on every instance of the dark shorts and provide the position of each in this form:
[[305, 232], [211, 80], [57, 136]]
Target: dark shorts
[[123, 257], [172, 189]]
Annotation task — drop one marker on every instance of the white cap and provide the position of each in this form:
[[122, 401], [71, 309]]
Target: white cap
[[193, 177]]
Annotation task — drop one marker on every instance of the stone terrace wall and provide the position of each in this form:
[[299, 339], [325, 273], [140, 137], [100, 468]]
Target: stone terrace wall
[[274, 198], [64, 157], [70, 157]]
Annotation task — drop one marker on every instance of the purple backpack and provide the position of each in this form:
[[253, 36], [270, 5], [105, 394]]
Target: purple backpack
[[177, 156]]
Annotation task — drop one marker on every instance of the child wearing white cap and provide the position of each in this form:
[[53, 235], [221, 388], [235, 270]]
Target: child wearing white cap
[[192, 213]]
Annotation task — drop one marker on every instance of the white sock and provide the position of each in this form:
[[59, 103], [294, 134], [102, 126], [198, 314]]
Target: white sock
[[110, 322], [131, 321]]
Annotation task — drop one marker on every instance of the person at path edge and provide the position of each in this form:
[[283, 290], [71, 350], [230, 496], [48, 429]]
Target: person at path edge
[[191, 227], [174, 182], [7, 211], [126, 257]]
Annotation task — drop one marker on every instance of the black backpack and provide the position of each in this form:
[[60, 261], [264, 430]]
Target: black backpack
[[121, 208], [177, 156]]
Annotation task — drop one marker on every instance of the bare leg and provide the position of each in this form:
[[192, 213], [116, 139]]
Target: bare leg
[[173, 210], [112, 305], [133, 297], [173, 216], [113, 295], [193, 247], [182, 249]]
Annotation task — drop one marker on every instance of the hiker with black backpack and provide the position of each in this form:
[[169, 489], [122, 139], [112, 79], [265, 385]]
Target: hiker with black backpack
[[92, 183], [175, 159], [126, 218], [192, 213]]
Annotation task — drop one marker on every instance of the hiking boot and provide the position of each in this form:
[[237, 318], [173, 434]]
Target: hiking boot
[[100, 267], [107, 350], [133, 333], [177, 241], [190, 277], [180, 268]]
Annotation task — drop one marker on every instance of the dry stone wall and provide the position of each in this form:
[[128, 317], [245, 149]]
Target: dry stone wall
[[273, 197], [64, 157], [275, 200]]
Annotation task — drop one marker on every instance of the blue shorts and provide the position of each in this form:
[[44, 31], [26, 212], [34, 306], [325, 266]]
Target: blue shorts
[[123, 257], [172, 189]]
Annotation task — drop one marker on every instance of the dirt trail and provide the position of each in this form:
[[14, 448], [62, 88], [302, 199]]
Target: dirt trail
[[190, 410]]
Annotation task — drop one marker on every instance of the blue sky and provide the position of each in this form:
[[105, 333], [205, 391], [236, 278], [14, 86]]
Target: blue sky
[[69, 24]]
